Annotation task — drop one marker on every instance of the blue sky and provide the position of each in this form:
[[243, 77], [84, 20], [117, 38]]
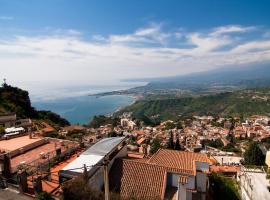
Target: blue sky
[[95, 40]]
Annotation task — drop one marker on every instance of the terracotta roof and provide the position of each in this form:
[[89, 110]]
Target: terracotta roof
[[178, 161], [225, 168], [146, 178], [138, 179], [135, 155], [141, 140], [138, 132]]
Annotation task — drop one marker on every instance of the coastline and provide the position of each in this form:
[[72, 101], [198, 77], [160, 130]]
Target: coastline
[[81, 110], [134, 97]]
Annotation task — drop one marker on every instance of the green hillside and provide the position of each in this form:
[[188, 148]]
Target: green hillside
[[13, 99], [238, 103]]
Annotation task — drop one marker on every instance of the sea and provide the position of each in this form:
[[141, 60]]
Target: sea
[[75, 102]]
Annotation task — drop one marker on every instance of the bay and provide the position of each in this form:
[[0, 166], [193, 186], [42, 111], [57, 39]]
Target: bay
[[81, 109]]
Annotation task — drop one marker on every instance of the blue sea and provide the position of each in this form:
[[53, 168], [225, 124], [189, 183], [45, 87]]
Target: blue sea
[[72, 101], [81, 109]]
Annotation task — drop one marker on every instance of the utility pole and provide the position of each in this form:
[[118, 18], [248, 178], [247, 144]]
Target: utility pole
[[106, 179]]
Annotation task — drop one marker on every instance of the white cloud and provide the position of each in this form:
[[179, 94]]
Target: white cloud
[[231, 29], [69, 57], [151, 34]]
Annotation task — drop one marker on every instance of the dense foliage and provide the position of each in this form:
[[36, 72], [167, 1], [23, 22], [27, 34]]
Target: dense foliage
[[213, 143], [223, 188], [240, 103], [156, 145], [44, 196], [13, 99], [52, 118], [254, 155], [102, 120], [79, 189]]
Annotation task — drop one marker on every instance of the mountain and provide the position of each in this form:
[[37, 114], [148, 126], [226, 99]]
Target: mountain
[[13, 99], [244, 76]]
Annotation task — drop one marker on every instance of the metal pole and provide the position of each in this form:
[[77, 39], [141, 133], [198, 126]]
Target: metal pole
[[106, 180]]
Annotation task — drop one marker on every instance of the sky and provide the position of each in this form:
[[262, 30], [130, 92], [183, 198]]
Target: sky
[[97, 41]]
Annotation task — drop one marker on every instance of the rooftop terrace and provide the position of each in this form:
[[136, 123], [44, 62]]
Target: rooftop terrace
[[17, 143]]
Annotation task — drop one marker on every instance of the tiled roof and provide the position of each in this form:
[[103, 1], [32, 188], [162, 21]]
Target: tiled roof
[[141, 140], [137, 179], [146, 179], [177, 161], [225, 168], [135, 155]]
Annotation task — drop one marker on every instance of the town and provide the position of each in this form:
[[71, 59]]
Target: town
[[126, 159]]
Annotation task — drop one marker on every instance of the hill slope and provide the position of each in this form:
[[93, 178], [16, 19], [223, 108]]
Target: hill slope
[[239, 103], [13, 99]]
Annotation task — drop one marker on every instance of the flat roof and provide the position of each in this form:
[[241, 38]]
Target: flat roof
[[77, 164], [228, 159], [93, 155], [34, 154], [17, 143], [104, 146]]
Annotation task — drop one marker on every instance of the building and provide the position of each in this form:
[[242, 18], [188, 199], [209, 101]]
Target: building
[[31, 152], [7, 119], [267, 159], [168, 174], [106, 150], [128, 124]]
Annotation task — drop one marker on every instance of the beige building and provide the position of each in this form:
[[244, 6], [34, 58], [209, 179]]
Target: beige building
[[267, 159]]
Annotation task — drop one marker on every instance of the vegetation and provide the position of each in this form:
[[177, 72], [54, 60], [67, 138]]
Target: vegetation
[[2, 130], [173, 145], [213, 143], [254, 155], [240, 103], [79, 189], [13, 99], [102, 120], [170, 144], [156, 145], [112, 134], [169, 125], [177, 145], [231, 148], [223, 188], [52, 118], [44, 196]]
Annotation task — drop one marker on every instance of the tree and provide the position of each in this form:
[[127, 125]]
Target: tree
[[213, 143], [177, 145], [223, 188], [169, 125], [231, 138], [79, 189], [44, 196], [179, 125], [112, 134], [155, 146], [2, 130], [170, 144], [254, 155]]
